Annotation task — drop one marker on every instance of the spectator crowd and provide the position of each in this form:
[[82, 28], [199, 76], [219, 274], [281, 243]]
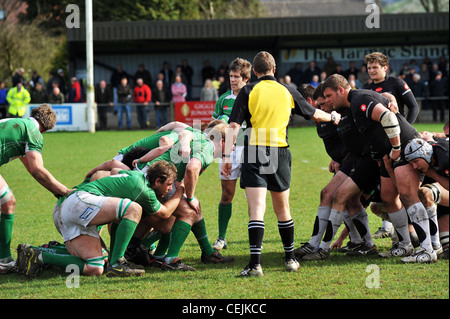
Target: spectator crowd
[[428, 81]]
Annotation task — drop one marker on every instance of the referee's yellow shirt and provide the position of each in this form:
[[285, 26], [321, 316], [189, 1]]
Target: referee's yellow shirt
[[267, 105]]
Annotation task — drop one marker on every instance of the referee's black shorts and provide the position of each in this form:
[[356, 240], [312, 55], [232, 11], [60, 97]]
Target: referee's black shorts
[[268, 167]]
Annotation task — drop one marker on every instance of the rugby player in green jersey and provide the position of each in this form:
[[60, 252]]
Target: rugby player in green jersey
[[122, 198], [156, 143], [203, 149], [240, 73], [22, 138]]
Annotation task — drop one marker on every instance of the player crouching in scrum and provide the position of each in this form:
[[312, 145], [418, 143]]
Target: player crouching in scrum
[[122, 198]]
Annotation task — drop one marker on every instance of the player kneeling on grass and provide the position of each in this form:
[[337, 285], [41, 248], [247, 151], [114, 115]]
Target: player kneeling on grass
[[121, 198], [22, 138]]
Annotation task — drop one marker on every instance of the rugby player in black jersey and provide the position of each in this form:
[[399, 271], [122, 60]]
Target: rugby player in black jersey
[[431, 159], [388, 134], [337, 151], [377, 65]]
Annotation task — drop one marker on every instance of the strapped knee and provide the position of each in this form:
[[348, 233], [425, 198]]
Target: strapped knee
[[435, 191], [122, 207], [96, 264], [6, 195]]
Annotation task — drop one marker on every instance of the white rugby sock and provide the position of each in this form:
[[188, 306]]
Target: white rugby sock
[[419, 219], [434, 230], [334, 222], [400, 221], [320, 225]]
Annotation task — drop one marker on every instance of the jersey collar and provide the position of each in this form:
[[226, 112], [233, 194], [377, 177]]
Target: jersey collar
[[34, 121]]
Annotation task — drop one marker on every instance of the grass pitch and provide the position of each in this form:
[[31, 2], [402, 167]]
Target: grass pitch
[[68, 156]]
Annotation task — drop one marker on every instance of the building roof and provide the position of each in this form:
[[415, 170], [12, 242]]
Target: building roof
[[260, 27]]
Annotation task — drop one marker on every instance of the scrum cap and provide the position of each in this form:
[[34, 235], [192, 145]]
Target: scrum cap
[[418, 148]]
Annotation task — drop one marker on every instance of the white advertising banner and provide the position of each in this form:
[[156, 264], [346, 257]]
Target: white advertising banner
[[69, 117]]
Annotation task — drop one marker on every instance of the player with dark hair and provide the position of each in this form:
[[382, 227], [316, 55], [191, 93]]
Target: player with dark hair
[[388, 133], [22, 138], [338, 153], [359, 174], [377, 66], [240, 73]]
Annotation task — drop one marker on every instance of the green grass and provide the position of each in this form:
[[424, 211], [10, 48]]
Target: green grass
[[70, 155]]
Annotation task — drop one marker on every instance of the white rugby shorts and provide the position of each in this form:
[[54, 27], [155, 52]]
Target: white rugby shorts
[[236, 163], [77, 211]]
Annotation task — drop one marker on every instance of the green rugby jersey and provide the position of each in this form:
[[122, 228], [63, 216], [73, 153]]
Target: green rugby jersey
[[151, 142], [126, 184], [201, 148], [18, 136], [224, 106]]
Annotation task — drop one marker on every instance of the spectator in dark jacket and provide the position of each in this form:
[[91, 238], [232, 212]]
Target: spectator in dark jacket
[[420, 91], [161, 98], [38, 95], [438, 88], [104, 99], [124, 95], [18, 77]]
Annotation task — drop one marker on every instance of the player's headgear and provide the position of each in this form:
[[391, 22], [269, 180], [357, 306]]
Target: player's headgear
[[418, 148]]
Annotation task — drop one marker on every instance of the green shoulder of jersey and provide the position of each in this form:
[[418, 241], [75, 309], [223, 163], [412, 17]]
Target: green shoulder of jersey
[[18, 136]]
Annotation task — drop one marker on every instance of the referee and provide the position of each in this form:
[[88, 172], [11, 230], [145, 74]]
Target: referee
[[266, 106]]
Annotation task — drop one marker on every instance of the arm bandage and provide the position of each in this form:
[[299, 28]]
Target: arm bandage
[[390, 124]]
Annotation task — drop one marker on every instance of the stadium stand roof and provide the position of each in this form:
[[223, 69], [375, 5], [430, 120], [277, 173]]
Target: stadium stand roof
[[272, 33]]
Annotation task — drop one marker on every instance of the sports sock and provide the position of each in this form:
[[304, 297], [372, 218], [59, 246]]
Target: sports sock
[[286, 229], [225, 211], [320, 225], [60, 260], [334, 222], [419, 219], [54, 249], [6, 226], [178, 235], [432, 219], [151, 238], [355, 238], [162, 247], [255, 236], [125, 231], [361, 221], [199, 231], [399, 220]]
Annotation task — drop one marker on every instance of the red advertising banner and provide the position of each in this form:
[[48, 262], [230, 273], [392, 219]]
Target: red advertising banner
[[187, 112]]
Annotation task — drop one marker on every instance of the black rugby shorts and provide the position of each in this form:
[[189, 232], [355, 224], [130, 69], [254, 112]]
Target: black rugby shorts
[[268, 167]]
